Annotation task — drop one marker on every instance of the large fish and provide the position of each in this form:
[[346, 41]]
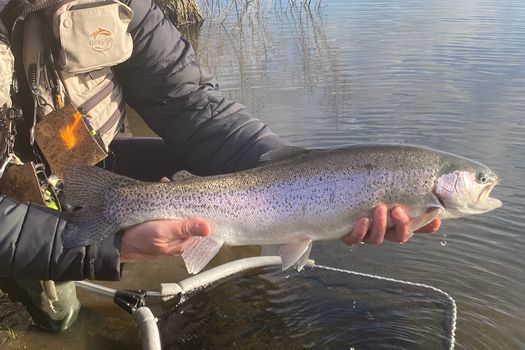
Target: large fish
[[297, 196]]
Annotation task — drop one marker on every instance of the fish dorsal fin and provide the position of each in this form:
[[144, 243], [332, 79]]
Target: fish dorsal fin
[[295, 252], [182, 175], [282, 153], [199, 251]]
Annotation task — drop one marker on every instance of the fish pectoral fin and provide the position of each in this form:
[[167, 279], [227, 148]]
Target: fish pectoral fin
[[423, 219], [199, 251], [295, 252]]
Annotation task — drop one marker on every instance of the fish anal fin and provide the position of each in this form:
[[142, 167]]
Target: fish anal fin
[[199, 251], [295, 252], [304, 258], [423, 219]]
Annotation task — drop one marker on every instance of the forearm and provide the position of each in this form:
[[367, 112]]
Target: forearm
[[219, 137], [31, 247], [182, 103]]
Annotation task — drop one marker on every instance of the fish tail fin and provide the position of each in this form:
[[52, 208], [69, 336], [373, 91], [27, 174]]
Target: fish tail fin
[[199, 251], [87, 226], [85, 187]]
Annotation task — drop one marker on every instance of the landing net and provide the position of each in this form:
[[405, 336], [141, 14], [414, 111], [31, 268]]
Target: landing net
[[318, 308]]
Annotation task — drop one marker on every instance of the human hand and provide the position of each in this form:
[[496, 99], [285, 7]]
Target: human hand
[[362, 232], [160, 237]]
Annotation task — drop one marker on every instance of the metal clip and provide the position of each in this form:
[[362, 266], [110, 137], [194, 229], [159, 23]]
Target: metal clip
[[34, 77], [14, 85], [54, 81], [14, 114], [6, 161], [130, 300]]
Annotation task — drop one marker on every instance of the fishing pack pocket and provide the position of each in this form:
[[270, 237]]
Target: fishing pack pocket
[[66, 140], [20, 182], [92, 34]]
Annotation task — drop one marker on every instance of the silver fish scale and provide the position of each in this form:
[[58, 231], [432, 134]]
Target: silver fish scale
[[317, 195]]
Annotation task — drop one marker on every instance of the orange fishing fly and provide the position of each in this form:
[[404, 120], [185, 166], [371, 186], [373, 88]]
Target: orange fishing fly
[[67, 133]]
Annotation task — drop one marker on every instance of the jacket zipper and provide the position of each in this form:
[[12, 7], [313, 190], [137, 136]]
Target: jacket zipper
[[113, 119], [25, 12], [94, 100]]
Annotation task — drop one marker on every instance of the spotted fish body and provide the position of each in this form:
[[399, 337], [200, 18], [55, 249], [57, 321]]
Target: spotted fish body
[[296, 197]]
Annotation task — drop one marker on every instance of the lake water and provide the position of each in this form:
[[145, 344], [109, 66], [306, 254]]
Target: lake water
[[444, 74]]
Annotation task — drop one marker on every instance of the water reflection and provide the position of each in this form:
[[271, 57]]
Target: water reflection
[[444, 75], [265, 56]]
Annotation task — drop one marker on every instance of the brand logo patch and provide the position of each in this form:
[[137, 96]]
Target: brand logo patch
[[101, 39]]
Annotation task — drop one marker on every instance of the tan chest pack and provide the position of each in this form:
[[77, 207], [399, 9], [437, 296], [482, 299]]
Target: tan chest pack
[[92, 37], [68, 56]]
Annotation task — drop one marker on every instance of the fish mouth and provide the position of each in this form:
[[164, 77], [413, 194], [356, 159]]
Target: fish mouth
[[484, 201]]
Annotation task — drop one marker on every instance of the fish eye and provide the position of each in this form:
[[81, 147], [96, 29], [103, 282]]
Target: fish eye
[[482, 178]]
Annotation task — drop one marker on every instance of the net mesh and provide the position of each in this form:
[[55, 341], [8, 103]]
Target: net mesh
[[317, 308]]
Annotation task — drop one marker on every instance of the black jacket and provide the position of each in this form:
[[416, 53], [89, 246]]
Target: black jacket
[[31, 247], [182, 103]]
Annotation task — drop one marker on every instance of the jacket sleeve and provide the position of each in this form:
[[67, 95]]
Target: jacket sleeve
[[182, 103], [31, 247]]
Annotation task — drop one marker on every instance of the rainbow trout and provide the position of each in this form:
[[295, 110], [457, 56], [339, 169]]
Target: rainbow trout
[[295, 197]]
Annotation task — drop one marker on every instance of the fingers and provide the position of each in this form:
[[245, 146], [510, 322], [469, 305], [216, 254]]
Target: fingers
[[377, 232], [399, 233], [182, 231], [361, 233], [175, 247], [160, 237], [191, 227], [358, 232]]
